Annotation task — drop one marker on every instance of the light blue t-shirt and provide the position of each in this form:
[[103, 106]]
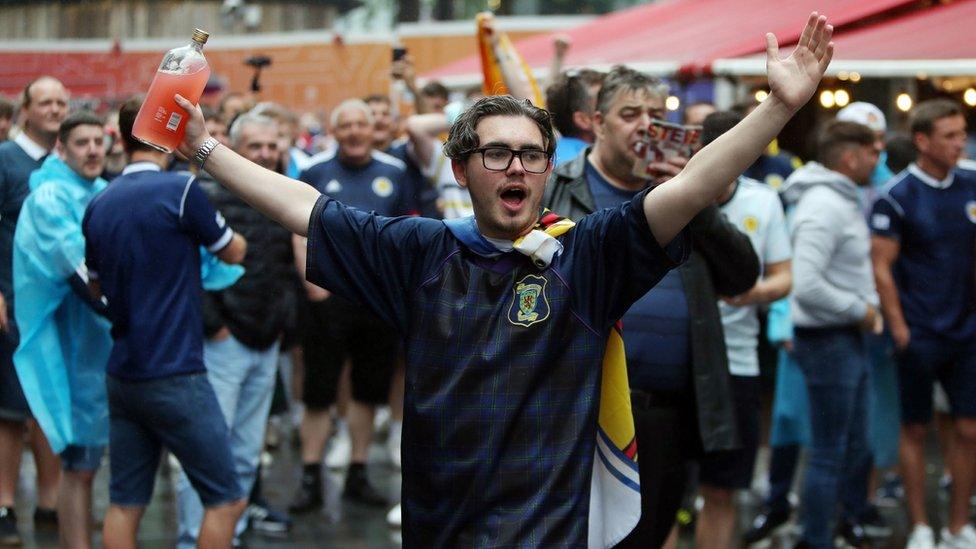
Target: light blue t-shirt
[[568, 148]]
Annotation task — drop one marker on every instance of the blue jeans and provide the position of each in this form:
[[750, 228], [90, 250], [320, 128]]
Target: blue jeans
[[835, 365], [243, 380]]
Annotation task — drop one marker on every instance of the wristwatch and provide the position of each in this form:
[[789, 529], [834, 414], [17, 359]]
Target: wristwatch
[[203, 153]]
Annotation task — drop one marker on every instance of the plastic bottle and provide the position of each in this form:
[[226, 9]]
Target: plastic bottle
[[161, 123]]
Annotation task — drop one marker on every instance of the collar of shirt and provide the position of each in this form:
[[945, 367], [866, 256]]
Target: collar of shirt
[[537, 245], [144, 166], [503, 245], [30, 146], [466, 230], [928, 179]]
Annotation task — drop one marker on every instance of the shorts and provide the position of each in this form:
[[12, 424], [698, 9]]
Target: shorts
[[336, 330], [81, 458], [732, 469], [924, 362], [179, 413], [13, 404]]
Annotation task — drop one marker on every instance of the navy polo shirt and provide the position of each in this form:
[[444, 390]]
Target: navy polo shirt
[[377, 186], [142, 237], [935, 224], [656, 329]]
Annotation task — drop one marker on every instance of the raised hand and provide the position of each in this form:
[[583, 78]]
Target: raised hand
[[794, 80]]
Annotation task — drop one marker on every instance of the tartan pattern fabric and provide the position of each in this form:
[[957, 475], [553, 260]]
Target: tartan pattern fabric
[[501, 406], [502, 416]]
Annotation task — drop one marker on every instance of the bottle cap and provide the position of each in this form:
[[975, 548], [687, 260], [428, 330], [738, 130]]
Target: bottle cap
[[200, 36]]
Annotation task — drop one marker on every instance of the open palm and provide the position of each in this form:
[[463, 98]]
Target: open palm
[[793, 80]]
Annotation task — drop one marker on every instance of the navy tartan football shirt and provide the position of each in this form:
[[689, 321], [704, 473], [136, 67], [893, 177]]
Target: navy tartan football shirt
[[503, 363]]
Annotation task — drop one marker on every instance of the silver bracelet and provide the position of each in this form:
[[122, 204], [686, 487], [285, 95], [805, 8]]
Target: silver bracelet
[[203, 153]]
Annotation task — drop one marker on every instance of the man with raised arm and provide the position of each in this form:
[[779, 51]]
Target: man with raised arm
[[505, 324]]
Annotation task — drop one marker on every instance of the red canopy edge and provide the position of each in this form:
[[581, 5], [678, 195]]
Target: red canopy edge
[[935, 41], [682, 36]]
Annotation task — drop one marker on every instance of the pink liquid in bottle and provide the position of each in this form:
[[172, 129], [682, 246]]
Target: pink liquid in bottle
[[161, 123]]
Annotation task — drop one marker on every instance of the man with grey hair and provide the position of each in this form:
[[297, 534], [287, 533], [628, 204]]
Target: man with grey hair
[[506, 314], [676, 357], [243, 325], [337, 330]]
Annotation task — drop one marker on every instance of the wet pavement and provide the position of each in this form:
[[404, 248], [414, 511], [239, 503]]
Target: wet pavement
[[349, 525]]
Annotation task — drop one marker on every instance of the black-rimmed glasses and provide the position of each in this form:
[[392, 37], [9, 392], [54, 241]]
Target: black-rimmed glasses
[[498, 159]]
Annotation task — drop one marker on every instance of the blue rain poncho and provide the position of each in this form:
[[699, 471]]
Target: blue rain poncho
[[64, 345]]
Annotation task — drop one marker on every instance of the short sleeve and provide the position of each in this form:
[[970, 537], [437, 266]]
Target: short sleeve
[[778, 240], [886, 217], [616, 260], [373, 260], [204, 223]]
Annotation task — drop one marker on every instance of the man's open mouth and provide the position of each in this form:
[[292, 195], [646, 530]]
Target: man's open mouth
[[513, 196]]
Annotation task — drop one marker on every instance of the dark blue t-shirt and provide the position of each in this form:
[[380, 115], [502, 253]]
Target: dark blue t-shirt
[[656, 330], [142, 237], [503, 363], [773, 169], [378, 186], [15, 169], [420, 197], [935, 224]]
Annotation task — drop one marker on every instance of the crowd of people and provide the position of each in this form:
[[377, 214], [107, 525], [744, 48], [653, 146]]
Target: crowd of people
[[464, 267]]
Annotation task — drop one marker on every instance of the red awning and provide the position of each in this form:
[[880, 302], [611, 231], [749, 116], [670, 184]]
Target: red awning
[[672, 35], [936, 41]]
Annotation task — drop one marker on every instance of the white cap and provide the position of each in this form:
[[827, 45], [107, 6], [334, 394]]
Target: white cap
[[864, 113]]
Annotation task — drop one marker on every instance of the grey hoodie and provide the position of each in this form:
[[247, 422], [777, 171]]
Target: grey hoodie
[[832, 278]]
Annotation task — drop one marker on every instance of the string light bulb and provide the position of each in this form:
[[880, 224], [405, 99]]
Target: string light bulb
[[969, 96], [827, 99], [904, 102], [842, 98]]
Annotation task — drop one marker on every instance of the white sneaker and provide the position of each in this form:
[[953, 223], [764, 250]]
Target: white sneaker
[[394, 518], [381, 420], [340, 449], [922, 537], [393, 443], [964, 539]]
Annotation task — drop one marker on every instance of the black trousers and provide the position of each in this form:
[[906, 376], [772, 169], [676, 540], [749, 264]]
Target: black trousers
[[667, 437]]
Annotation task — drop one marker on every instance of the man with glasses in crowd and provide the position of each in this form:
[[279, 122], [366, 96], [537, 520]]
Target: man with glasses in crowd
[[505, 324]]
